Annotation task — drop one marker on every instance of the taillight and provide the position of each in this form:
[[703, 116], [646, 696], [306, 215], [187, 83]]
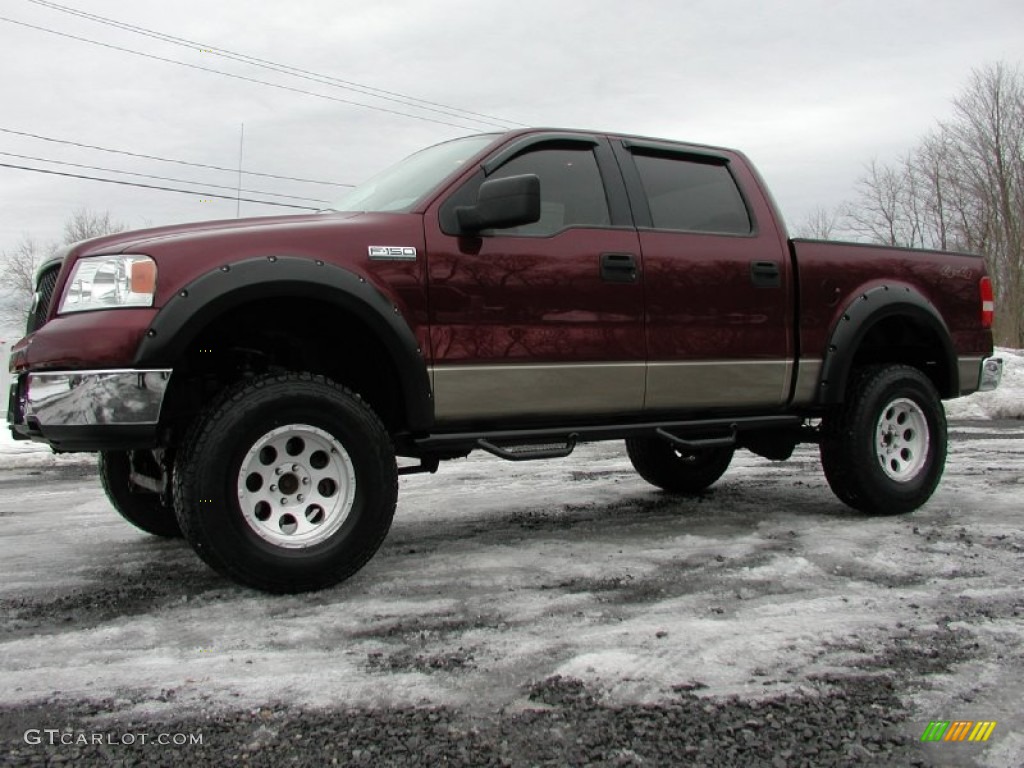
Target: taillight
[[988, 303]]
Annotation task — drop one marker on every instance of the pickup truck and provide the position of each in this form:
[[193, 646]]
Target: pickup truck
[[249, 383]]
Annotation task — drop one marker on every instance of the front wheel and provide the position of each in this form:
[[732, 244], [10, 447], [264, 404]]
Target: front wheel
[[675, 469], [287, 483], [884, 449]]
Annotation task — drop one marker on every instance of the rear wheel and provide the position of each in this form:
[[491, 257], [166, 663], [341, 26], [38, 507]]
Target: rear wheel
[[884, 449], [139, 506], [287, 483], [676, 469]]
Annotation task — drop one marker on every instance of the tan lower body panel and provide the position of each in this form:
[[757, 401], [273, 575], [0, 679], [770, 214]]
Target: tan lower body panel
[[466, 392], [807, 377], [717, 384]]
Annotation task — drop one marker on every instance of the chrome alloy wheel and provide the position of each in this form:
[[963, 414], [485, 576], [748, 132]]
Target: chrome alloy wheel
[[296, 486], [902, 440]]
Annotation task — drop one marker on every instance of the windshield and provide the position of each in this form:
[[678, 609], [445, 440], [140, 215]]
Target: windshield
[[401, 185]]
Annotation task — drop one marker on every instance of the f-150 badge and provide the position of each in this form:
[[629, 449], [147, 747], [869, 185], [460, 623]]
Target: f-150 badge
[[394, 252]]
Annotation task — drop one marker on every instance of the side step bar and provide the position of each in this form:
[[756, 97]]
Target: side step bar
[[710, 442], [529, 451], [545, 443]]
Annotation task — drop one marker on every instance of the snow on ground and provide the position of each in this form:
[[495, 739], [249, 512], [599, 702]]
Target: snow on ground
[[1004, 402], [25, 453], [496, 575]]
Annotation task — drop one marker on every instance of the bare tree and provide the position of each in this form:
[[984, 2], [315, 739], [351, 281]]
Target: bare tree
[[931, 164], [84, 224], [820, 224], [961, 188], [876, 214], [21, 263], [988, 129], [18, 269], [18, 265]]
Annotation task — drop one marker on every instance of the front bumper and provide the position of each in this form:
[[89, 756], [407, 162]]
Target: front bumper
[[88, 410]]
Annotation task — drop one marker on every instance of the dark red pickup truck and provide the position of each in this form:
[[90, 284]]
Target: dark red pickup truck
[[249, 383]]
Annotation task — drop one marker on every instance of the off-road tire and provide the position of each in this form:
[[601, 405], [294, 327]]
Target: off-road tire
[[139, 506], [238, 444], [676, 469], [884, 449]]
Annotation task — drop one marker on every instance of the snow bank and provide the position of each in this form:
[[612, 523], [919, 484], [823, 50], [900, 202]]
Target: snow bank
[[1005, 402], [20, 454]]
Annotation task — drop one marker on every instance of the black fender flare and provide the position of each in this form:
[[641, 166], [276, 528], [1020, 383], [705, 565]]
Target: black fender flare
[[210, 295], [859, 316]]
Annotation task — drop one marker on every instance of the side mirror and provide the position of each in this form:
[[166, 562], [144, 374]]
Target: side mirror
[[509, 202]]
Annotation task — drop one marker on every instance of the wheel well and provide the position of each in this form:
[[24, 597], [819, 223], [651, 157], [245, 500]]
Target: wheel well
[[902, 339], [288, 333]]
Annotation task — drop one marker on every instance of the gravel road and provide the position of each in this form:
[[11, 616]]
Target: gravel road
[[559, 613]]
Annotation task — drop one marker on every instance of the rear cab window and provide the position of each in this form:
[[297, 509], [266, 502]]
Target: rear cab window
[[691, 193]]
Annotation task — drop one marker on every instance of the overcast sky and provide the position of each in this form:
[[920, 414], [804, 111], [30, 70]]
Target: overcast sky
[[809, 89]]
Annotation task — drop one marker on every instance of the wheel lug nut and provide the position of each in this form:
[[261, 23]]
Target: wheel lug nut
[[273, 488], [284, 501], [295, 467], [305, 481], [278, 471], [301, 497]]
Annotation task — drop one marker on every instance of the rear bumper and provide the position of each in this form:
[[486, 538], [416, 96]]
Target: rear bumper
[[979, 374], [991, 373], [88, 410]]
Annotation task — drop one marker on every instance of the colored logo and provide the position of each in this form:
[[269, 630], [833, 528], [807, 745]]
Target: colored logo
[[958, 730]]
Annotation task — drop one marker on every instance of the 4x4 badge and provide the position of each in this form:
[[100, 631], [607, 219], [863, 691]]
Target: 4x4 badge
[[395, 252]]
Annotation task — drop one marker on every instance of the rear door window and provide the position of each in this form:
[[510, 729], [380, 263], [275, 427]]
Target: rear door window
[[692, 194]]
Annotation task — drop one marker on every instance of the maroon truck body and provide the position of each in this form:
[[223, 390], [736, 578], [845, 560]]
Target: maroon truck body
[[649, 292]]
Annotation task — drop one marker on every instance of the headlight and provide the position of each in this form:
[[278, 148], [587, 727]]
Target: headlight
[[104, 282]]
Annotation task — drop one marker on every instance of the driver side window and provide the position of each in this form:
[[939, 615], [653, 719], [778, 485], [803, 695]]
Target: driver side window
[[571, 190]]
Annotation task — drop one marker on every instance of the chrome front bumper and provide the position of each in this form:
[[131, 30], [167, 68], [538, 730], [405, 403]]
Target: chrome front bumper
[[991, 373], [74, 410]]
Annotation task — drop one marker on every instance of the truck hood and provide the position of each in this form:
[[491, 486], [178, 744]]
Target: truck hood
[[139, 239]]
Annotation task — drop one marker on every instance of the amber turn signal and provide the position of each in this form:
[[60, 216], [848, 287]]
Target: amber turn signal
[[143, 277]]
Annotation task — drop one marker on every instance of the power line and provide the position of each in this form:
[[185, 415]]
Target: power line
[[367, 90], [152, 186], [161, 178], [244, 78], [167, 159]]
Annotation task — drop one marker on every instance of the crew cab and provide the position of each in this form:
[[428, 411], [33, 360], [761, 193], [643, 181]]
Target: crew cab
[[249, 383]]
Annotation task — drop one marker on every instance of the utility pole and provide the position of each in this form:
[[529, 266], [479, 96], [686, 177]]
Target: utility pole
[[238, 200]]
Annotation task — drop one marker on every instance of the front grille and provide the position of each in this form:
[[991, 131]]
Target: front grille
[[44, 295]]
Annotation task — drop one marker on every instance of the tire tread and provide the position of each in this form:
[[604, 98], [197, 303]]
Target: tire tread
[[859, 483], [204, 429]]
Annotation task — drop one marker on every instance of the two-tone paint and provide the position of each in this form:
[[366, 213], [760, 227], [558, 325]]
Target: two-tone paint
[[499, 329]]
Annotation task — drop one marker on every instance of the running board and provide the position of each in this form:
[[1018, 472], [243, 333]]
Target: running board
[[555, 442], [695, 445], [530, 451]]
